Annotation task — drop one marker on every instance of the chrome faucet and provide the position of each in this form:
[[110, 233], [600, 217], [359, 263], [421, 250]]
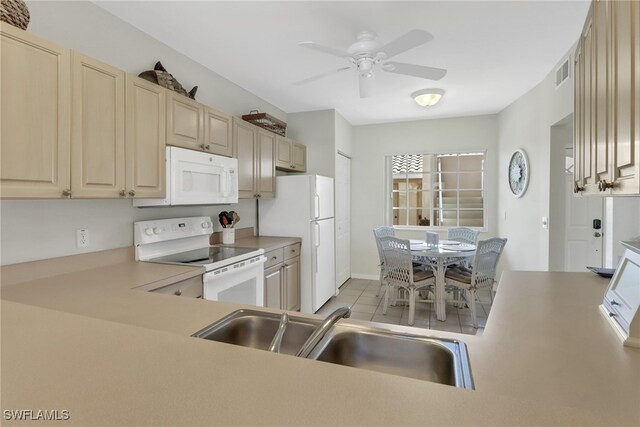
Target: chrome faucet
[[277, 338], [322, 329]]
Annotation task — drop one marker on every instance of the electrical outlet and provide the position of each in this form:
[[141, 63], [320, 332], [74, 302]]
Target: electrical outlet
[[82, 238]]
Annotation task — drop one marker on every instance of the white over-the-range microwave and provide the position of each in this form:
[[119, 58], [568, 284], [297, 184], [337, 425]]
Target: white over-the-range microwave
[[197, 178]]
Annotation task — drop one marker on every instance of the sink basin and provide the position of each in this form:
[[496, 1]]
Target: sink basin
[[256, 329], [438, 360]]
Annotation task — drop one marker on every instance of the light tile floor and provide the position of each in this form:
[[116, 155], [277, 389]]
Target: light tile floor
[[360, 295]]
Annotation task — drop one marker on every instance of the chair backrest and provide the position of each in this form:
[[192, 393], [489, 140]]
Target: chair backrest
[[486, 259], [462, 235], [398, 262], [379, 232]]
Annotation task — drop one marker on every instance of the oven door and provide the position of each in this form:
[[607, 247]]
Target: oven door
[[240, 283], [202, 178]]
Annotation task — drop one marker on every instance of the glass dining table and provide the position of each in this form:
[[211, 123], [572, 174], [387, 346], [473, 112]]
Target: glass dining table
[[447, 252]]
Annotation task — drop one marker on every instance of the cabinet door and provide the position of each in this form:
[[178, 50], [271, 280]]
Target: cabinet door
[[588, 149], [273, 287], [624, 67], [601, 89], [97, 129], [145, 138], [185, 119], [292, 284], [217, 132], [35, 106], [284, 157], [299, 154], [578, 118], [244, 149], [266, 168]]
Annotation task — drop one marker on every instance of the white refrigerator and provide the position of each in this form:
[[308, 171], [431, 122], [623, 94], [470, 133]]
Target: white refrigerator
[[303, 207]]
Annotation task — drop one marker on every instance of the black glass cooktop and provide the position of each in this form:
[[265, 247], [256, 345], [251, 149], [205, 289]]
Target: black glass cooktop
[[204, 256]]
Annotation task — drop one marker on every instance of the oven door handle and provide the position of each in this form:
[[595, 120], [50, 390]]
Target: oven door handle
[[231, 269]]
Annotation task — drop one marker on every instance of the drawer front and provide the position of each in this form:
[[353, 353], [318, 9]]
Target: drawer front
[[273, 258], [191, 288], [292, 251]]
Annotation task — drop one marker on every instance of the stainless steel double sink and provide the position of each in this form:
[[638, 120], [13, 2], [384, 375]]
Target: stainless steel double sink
[[439, 360]]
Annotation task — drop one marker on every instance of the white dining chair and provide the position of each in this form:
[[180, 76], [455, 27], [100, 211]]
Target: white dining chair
[[463, 235], [400, 273], [379, 232], [481, 275]]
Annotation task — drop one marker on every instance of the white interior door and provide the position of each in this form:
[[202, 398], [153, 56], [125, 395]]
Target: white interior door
[[343, 219], [584, 242]]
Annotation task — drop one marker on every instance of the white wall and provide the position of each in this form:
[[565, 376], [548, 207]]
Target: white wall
[[622, 222], [371, 144], [46, 228], [343, 135], [527, 124], [316, 130]]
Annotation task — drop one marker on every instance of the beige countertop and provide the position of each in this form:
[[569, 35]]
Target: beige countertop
[[266, 242], [87, 341]]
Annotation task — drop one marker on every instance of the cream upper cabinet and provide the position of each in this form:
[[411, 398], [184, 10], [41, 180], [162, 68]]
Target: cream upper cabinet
[[299, 155], [185, 122], [266, 169], [625, 90], [290, 155], [255, 150], [97, 129], [35, 108], [606, 111], [145, 138], [217, 132]]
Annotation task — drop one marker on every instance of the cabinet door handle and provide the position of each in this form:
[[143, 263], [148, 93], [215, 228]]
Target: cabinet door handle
[[178, 292], [604, 185], [614, 302], [273, 258], [577, 188], [66, 192], [123, 193], [132, 193], [205, 147]]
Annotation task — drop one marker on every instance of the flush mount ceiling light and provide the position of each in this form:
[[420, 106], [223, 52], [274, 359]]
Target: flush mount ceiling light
[[427, 97]]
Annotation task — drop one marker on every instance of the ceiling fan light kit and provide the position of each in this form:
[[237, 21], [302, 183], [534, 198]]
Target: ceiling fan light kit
[[367, 53], [427, 97]]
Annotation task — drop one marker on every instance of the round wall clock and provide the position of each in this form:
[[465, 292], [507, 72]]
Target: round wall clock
[[518, 173]]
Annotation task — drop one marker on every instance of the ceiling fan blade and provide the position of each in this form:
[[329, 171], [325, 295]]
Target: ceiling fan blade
[[415, 70], [367, 85], [319, 76], [413, 38], [325, 49]]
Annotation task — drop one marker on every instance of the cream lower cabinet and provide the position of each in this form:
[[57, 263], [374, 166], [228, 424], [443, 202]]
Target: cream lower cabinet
[[282, 278], [254, 149], [606, 106], [97, 129], [35, 107], [290, 155]]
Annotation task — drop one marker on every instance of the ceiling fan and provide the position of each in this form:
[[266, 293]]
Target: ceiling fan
[[367, 52]]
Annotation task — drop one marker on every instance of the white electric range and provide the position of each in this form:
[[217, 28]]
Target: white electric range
[[233, 274]]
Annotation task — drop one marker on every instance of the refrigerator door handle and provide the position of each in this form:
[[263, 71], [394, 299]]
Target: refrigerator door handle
[[316, 200], [317, 244]]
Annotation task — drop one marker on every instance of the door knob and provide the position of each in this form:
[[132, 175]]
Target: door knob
[[596, 234]]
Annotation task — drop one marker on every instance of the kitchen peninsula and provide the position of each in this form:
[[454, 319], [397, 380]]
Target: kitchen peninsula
[[78, 336]]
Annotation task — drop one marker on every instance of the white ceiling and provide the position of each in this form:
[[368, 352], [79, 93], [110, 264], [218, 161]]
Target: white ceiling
[[494, 51]]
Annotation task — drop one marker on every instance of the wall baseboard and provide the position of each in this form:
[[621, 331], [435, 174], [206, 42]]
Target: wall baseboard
[[365, 276]]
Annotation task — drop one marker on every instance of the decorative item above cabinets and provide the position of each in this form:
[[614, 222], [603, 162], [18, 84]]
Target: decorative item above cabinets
[[290, 156], [607, 101]]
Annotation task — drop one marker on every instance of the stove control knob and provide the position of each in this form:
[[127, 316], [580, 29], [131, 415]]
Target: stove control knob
[[157, 230], [206, 224], [148, 231]]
